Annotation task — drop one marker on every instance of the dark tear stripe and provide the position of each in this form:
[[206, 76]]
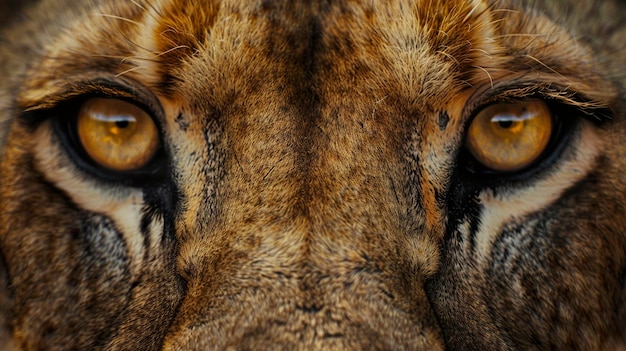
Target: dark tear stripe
[[161, 200], [148, 215], [473, 215], [462, 205]]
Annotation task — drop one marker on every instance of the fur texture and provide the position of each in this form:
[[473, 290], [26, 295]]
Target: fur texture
[[317, 193]]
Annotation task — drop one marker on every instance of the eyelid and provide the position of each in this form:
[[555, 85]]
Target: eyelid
[[518, 88], [101, 86]]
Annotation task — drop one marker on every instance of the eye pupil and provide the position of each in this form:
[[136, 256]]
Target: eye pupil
[[122, 124], [505, 124]]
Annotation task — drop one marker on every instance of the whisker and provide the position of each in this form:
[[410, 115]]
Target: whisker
[[543, 64], [520, 35], [128, 71], [488, 74], [173, 49], [118, 18], [138, 5], [451, 57]]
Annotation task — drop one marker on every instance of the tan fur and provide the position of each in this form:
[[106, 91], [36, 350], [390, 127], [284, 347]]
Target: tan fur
[[315, 195]]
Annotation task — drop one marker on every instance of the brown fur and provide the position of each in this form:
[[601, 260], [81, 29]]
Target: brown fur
[[315, 196]]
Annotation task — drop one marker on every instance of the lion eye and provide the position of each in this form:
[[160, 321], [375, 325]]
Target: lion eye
[[507, 137], [117, 134]]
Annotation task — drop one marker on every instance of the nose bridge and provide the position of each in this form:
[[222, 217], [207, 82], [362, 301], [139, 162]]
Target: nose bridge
[[312, 248], [353, 211], [360, 203], [312, 245], [310, 254]]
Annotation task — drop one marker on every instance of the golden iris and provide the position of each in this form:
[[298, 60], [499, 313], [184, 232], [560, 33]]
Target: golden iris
[[117, 134], [507, 137]]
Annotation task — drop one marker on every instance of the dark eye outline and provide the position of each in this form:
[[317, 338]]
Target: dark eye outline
[[565, 118], [64, 122], [139, 146], [559, 126], [475, 146]]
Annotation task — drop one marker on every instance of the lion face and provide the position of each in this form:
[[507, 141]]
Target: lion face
[[425, 175]]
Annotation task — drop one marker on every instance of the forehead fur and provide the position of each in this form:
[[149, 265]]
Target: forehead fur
[[163, 44]]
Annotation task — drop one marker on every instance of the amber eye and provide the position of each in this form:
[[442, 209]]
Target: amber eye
[[117, 134], [507, 137]]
